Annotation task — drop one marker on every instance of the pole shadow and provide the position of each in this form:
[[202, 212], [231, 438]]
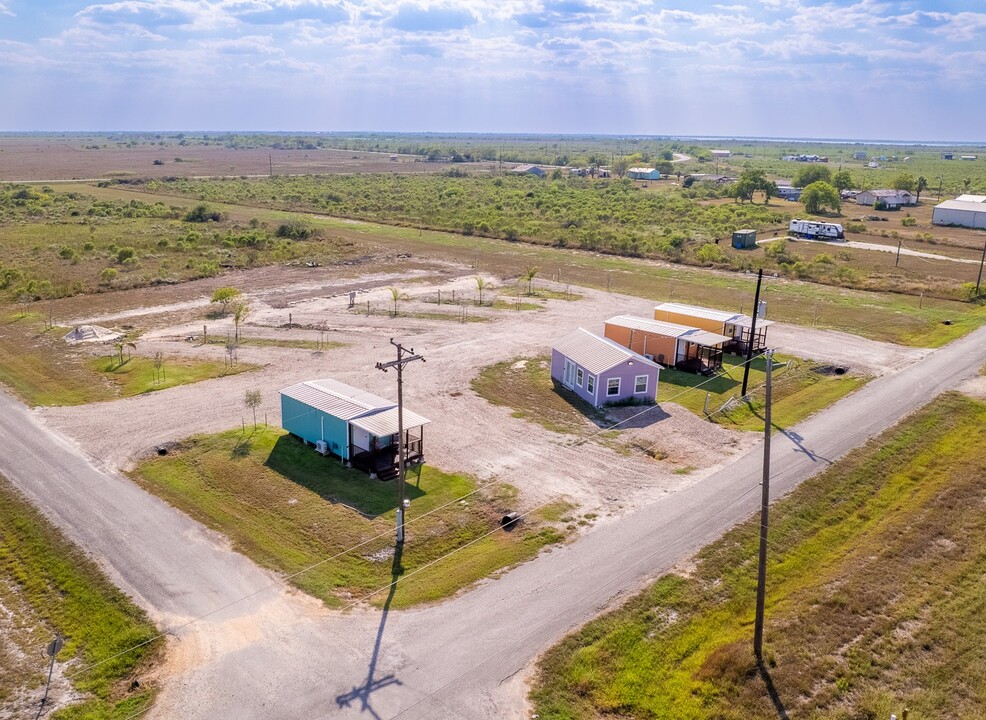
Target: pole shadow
[[794, 438], [372, 683], [775, 698]]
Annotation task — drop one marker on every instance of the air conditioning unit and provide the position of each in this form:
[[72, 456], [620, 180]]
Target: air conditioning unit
[[322, 447], [649, 357]]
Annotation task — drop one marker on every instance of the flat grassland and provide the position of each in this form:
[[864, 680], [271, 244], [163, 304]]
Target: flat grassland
[[50, 586], [874, 599], [290, 509], [248, 238]]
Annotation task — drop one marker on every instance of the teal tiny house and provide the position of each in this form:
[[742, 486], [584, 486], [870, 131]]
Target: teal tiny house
[[352, 424]]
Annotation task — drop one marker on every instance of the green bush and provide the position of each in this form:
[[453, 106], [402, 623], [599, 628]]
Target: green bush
[[909, 221], [108, 276], [124, 254], [710, 254]]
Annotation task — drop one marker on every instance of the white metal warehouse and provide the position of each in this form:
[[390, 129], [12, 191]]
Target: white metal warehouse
[[965, 211]]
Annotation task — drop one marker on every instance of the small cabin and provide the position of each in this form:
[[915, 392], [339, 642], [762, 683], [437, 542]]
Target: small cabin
[[356, 426], [601, 371], [669, 344], [735, 326]]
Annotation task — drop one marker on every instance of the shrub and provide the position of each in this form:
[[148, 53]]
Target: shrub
[[124, 254], [908, 221], [203, 213], [89, 247], [107, 276], [295, 230], [711, 253], [66, 253]]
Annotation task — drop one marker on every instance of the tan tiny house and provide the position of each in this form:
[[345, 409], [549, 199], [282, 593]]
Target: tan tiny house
[[735, 326], [669, 344]]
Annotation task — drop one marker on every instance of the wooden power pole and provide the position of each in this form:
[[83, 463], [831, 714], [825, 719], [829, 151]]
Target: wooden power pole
[[753, 332], [402, 360], [764, 508]]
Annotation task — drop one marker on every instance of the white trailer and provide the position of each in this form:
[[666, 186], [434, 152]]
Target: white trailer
[[813, 229]]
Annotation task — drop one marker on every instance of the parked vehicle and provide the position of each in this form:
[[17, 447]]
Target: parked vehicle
[[813, 229]]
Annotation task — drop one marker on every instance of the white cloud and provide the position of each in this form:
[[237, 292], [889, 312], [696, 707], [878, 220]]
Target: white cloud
[[4, 10]]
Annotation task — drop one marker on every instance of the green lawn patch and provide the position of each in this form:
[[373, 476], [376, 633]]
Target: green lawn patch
[[875, 599], [288, 343], [49, 586], [799, 390], [137, 375], [288, 508], [525, 385]]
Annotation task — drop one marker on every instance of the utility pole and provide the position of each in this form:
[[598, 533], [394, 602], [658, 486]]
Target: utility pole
[[399, 363], [753, 330], [764, 506], [981, 262], [897, 261], [270, 159]]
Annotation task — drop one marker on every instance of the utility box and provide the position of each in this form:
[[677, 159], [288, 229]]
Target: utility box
[[744, 239]]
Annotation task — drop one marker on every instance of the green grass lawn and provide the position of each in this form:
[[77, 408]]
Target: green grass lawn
[[875, 600], [288, 508], [288, 343], [798, 391], [49, 586], [137, 375], [525, 386]]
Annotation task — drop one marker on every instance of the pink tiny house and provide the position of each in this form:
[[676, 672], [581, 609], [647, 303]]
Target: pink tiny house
[[603, 372]]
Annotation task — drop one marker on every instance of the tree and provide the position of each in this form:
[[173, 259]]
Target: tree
[[811, 174], [843, 180], [252, 401], [481, 285], [820, 195], [529, 276], [922, 183], [224, 296], [158, 367], [752, 181], [240, 311], [620, 166], [395, 295], [903, 181]]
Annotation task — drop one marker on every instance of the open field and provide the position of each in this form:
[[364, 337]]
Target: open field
[[43, 369], [288, 508], [845, 638], [884, 316], [48, 158], [49, 586]]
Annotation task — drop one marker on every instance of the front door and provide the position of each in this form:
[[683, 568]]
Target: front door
[[568, 377]]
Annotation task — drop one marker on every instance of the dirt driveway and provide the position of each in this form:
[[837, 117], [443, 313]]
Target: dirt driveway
[[467, 433]]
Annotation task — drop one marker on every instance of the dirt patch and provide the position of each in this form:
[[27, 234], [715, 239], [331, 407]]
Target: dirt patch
[[467, 434], [975, 387]]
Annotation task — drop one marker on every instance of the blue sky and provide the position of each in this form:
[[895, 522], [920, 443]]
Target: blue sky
[[795, 68]]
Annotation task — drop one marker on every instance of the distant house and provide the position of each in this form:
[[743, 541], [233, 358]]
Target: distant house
[[601, 371], [528, 170], [642, 173], [892, 199], [964, 211], [734, 326], [351, 424], [859, 155], [968, 157], [947, 156], [720, 154], [680, 346]]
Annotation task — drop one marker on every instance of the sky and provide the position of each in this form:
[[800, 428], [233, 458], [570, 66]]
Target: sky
[[866, 69]]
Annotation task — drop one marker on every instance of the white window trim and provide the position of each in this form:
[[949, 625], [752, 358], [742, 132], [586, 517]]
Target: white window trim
[[636, 382], [609, 386], [579, 376], [590, 384]]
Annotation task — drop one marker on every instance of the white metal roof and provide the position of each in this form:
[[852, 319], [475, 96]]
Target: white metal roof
[[596, 354], [971, 198], [641, 170], [744, 321], [668, 329], [701, 312], [976, 207], [384, 422], [336, 398]]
